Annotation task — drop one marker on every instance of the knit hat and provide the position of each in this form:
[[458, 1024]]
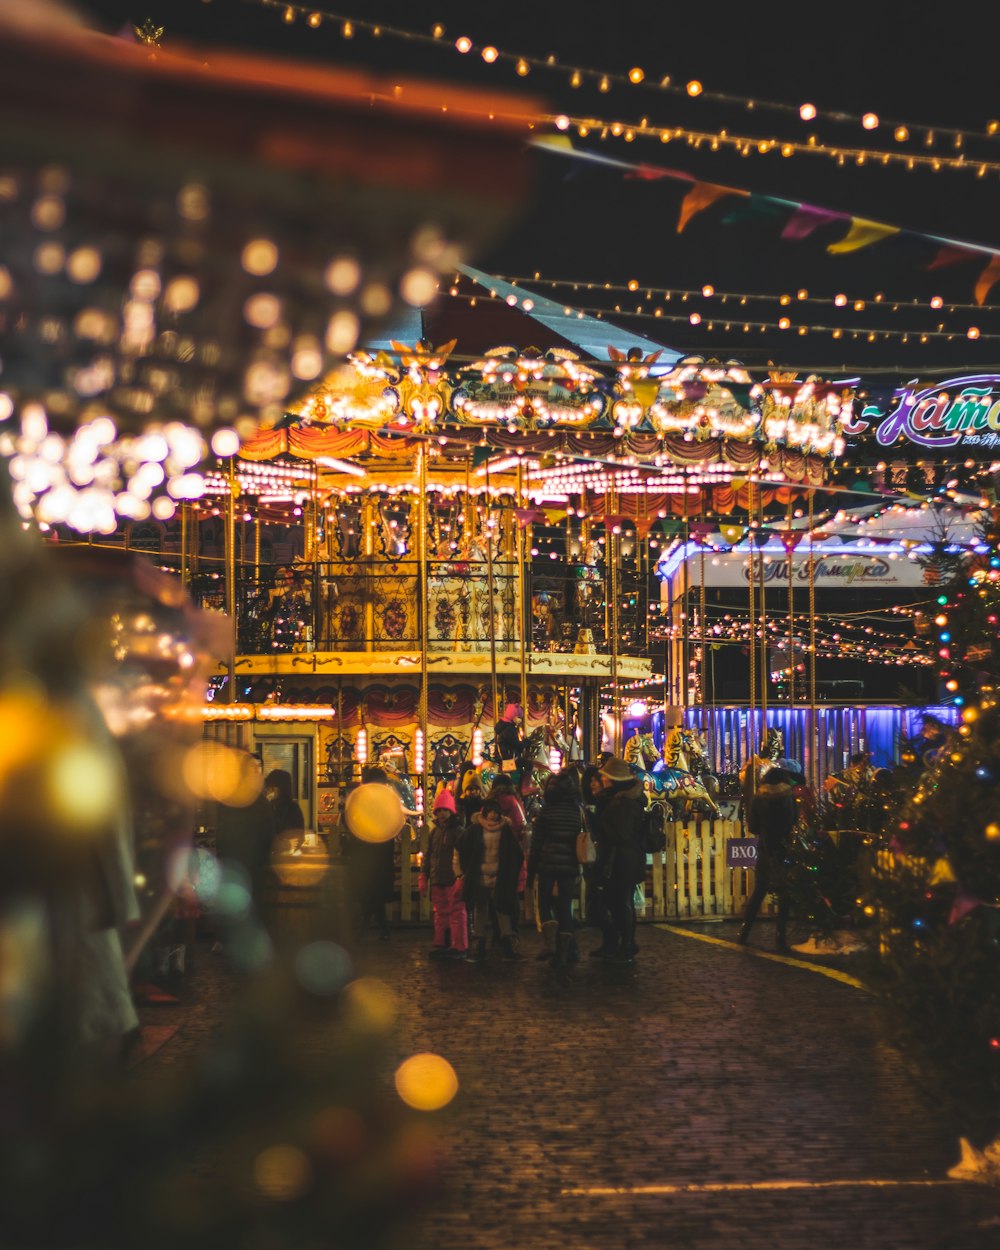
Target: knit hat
[[617, 770], [446, 800], [513, 710]]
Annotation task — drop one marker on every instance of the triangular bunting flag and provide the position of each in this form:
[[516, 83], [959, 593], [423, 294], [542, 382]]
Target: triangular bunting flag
[[863, 233], [950, 256], [806, 219], [731, 533], [988, 279], [962, 905], [701, 195], [643, 524], [790, 539]]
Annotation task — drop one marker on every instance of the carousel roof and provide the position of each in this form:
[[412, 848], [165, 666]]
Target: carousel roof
[[510, 314]]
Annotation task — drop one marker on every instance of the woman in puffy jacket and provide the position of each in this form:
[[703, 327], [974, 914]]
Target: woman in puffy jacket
[[553, 860]]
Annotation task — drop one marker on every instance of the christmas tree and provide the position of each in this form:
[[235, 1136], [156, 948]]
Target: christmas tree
[[939, 878]]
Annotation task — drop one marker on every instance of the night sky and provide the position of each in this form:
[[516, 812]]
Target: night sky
[[912, 63]]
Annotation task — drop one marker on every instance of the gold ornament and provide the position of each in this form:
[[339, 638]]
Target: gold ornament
[[149, 33]]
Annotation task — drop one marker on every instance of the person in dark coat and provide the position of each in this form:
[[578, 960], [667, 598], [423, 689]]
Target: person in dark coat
[[621, 857], [373, 869], [771, 821], [286, 814], [507, 736], [490, 858], [246, 836], [553, 860]]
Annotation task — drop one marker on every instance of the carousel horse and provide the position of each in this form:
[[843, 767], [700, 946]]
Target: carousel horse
[[686, 749], [684, 792]]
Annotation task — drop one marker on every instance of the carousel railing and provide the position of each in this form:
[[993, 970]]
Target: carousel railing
[[361, 605]]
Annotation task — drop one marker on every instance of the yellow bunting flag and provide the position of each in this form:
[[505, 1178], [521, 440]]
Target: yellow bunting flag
[[988, 279], [701, 195], [731, 533], [862, 233]]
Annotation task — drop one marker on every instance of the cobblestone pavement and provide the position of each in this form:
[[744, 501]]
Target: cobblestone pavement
[[705, 1075]]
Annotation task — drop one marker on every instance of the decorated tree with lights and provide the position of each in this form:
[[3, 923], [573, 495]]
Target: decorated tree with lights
[[939, 888]]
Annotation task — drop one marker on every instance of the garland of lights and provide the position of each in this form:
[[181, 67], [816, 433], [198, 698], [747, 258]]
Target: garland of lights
[[603, 80]]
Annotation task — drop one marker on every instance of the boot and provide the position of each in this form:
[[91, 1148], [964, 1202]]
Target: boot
[[562, 958], [511, 954], [177, 959], [550, 930], [743, 934], [477, 952]]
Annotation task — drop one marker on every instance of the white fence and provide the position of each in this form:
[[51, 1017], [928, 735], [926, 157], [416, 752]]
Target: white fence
[[686, 881]]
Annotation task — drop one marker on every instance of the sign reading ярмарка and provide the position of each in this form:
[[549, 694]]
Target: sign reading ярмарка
[[961, 412]]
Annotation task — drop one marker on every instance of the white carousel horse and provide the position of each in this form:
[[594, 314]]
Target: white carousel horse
[[686, 792]]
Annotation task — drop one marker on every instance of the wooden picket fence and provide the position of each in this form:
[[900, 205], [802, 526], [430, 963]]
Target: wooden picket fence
[[688, 880]]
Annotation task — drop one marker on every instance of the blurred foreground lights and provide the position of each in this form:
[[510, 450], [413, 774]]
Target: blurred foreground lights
[[83, 785], [369, 1006], [426, 1082], [225, 443], [283, 1173], [418, 286], [260, 257], [195, 873], [322, 968], [232, 896], [211, 770]]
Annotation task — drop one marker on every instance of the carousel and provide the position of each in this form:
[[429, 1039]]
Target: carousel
[[446, 552]]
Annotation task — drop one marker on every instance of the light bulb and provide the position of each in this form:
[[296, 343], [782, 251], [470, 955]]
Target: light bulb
[[870, 121], [807, 112], [463, 43], [636, 75], [490, 54], [694, 87]]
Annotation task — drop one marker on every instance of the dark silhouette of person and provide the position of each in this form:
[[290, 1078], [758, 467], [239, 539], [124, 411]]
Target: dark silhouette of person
[[771, 821]]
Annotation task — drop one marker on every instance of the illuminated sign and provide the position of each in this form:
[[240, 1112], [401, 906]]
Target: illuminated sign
[[834, 569], [960, 412]]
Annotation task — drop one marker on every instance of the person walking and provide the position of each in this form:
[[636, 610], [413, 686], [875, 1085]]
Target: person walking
[[490, 858], [771, 821], [450, 917], [553, 859], [621, 857]]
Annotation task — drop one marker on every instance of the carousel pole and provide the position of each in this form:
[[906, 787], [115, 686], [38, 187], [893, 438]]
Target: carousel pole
[[230, 560], [424, 601], [791, 625], [491, 592], [764, 664], [612, 548], [752, 637], [524, 600], [813, 756], [185, 506], [685, 690]]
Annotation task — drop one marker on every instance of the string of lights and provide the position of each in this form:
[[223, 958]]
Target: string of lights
[[936, 303], [579, 76], [871, 334], [757, 145]]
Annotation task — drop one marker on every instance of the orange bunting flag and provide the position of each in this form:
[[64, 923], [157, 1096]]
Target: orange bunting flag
[[863, 233], [700, 197], [643, 524], [988, 279]]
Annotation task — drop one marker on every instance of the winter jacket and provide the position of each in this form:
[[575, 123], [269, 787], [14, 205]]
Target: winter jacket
[[553, 839], [507, 739], [772, 815], [511, 857], [441, 847], [617, 831]]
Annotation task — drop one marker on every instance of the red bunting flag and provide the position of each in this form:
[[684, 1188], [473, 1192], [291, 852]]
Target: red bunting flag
[[950, 256], [526, 516], [790, 539]]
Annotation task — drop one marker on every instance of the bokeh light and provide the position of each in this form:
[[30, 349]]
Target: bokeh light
[[369, 1005], [282, 1173], [322, 967], [426, 1082], [374, 812]]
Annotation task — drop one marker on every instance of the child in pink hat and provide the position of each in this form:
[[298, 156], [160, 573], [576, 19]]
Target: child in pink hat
[[450, 916]]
